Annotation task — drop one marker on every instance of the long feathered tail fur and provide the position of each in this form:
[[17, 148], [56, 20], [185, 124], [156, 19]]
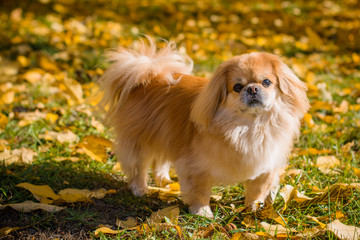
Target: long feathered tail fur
[[130, 69]]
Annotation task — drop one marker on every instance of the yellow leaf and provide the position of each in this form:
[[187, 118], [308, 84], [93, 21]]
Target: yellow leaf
[[174, 186], [117, 167], [45, 194], [326, 164], [74, 88], [322, 225], [95, 147], [105, 230], [47, 64], [63, 137], [72, 159], [336, 192], [33, 75], [18, 156], [29, 206], [164, 193], [171, 213], [357, 171], [343, 108], [343, 231], [276, 229], [8, 97], [81, 195], [314, 39], [98, 125], [42, 193], [319, 105], [52, 117], [6, 230], [308, 120], [130, 222], [24, 61], [98, 140], [3, 121]]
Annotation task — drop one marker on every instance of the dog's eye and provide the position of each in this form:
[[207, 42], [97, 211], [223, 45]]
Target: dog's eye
[[266, 83], [237, 87]]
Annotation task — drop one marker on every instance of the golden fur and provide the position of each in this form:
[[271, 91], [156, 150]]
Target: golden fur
[[211, 133]]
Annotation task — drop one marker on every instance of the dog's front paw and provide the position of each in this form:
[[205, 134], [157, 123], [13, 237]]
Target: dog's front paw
[[203, 211], [256, 206], [137, 190]]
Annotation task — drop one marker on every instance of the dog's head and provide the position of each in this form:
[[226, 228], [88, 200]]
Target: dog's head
[[250, 83]]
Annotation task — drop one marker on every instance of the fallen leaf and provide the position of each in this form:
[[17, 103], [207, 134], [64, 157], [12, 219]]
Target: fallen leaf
[[343, 108], [326, 164], [81, 195], [74, 88], [273, 230], [18, 156], [356, 171], [33, 75], [47, 64], [171, 213], [96, 147], [42, 193], [105, 230], [29, 206], [6, 230], [130, 222], [337, 192], [343, 231], [45, 194], [66, 136], [309, 120], [7, 97], [174, 186], [314, 39], [164, 193], [3, 121]]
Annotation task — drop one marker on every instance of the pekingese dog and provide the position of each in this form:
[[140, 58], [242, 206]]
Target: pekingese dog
[[239, 126]]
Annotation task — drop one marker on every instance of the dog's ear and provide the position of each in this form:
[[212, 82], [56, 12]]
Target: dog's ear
[[293, 88], [208, 100]]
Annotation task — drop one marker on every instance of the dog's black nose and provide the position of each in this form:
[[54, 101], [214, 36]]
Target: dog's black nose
[[252, 90]]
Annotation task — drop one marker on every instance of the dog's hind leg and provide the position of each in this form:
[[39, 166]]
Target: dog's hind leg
[[134, 166], [161, 173]]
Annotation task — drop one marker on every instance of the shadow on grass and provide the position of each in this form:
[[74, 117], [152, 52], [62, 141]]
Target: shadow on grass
[[78, 220]]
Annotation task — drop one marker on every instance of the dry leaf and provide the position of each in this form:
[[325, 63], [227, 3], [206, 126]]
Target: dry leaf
[[18, 156], [336, 192], [42, 193], [81, 195], [7, 97], [33, 75], [309, 120], [326, 164], [164, 193], [63, 137], [3, 121], [130, 222], [45, 194], [96, 147], [47, 64], [171, 213], [74, 88], [29, 206], [343, 231], [276, 229], [356, 171], [105, 230], [6, 230]]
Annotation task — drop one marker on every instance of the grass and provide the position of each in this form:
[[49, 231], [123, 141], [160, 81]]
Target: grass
[[82, 38]]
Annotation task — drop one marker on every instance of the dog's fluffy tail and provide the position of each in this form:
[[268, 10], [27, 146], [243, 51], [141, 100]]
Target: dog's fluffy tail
[[130, 69]]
